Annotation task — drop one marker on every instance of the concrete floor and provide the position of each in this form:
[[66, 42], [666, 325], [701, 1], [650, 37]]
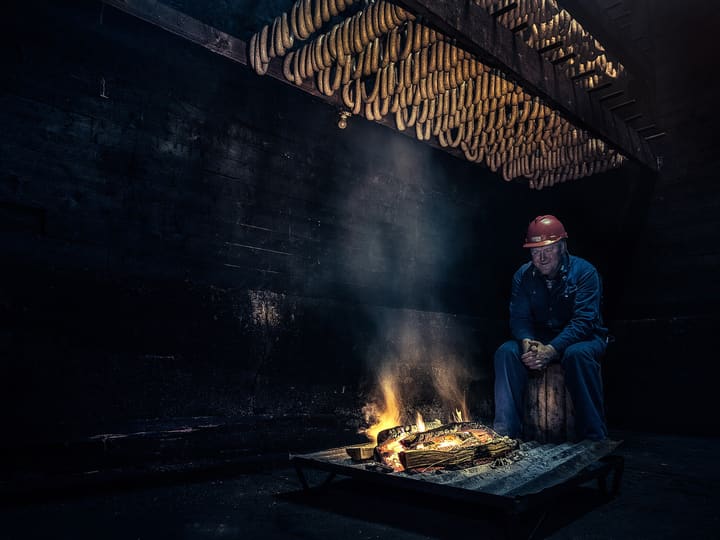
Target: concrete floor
[[671, 489]]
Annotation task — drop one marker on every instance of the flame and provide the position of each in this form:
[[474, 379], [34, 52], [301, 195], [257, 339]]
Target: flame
[[449, 379], [387, 415], [419, 422]]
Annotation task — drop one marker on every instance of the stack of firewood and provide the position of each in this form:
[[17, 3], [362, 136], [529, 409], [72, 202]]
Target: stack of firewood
[[456, 445]]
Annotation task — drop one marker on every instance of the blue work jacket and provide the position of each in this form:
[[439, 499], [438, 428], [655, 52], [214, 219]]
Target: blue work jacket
[[566, 314]]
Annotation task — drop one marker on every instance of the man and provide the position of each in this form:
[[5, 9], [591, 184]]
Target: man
[[554, 317]]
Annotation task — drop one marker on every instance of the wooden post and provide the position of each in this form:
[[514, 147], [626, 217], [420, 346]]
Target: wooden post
[[549, 414]]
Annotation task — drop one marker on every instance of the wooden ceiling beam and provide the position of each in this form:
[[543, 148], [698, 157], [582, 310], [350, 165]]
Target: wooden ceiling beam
[[491, 42], [479, 33], [235, 49]]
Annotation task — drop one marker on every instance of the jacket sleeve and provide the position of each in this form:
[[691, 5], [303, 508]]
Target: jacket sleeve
[[521, 324], [586, 311]]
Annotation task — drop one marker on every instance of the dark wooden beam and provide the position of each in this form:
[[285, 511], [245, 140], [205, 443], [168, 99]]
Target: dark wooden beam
[[492, 42], [235, 49], [479, 33], [178, 23]]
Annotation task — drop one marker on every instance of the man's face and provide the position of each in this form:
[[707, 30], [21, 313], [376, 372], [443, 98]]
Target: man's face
[[547, 259]]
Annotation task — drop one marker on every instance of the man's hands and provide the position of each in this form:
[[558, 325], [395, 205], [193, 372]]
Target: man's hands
[[537, 355]]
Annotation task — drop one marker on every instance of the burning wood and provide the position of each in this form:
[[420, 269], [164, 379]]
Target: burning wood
[[398, 445], [456, 445], [400, 432], [460, 456]]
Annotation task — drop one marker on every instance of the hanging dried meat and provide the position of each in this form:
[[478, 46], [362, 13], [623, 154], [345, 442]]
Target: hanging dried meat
[[383, 61]]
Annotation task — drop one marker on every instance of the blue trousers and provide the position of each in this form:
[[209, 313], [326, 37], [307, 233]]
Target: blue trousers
[[581, 363]]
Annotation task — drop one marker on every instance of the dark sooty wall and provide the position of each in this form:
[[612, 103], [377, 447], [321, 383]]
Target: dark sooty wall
[[665, 376], [183, 238]]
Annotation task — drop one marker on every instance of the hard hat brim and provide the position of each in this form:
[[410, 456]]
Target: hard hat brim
[[542, 243]]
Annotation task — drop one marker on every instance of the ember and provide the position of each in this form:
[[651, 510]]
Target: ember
[[387, 414]]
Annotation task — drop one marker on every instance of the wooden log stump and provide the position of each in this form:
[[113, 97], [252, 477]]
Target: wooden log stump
[[549, 413]]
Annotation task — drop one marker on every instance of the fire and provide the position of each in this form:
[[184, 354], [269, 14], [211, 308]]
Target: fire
[[419, 422], [386, 415], [449, 379], [387, 412]]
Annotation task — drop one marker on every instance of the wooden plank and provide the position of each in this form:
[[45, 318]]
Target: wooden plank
[[555, 392], [532, 415], [548, 415], [569, 417], [478, 32], [539, 380]]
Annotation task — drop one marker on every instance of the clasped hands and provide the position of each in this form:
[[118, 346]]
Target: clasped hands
[[536, 355]]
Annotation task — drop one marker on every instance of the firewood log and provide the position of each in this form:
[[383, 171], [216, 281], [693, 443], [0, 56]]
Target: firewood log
[[401, 431], [457, 457]]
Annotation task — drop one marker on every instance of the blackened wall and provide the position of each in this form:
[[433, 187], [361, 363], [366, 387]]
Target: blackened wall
[[668, 310], [182, 238]]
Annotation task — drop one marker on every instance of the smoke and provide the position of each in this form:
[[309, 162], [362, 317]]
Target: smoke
[[399, 252], [451, 378], [404, 235], [417, 363]]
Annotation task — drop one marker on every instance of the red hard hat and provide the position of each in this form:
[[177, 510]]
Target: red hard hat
[[543, 231]]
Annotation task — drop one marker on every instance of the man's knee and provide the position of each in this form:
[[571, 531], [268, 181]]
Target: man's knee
[[507, 352], [581, 356]]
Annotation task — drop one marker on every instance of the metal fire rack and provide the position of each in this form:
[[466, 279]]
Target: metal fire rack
[[541, 474]]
